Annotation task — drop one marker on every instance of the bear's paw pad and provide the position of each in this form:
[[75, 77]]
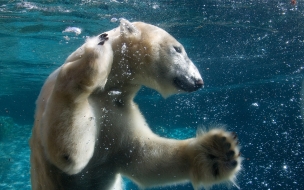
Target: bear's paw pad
[[219, 156]]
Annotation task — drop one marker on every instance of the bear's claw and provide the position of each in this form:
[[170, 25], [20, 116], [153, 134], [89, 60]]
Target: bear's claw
[[103, 37]]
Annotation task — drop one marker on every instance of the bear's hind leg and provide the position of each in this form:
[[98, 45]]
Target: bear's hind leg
[[216, 158]]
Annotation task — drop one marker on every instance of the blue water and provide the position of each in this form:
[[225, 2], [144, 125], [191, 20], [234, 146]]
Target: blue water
[[249, 52]]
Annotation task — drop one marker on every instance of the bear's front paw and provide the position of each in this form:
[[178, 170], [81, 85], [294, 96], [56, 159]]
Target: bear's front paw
[[216, 158]]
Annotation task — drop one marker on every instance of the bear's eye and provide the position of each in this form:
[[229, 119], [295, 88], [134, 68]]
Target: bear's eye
[[178, 49]]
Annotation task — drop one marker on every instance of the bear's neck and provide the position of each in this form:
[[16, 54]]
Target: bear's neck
[[120, 89], [119, 97], [121, 85]]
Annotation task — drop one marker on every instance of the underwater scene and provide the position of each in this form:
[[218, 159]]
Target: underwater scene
[[250, 54]]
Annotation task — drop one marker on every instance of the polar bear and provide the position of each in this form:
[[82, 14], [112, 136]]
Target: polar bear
[[88, 132]]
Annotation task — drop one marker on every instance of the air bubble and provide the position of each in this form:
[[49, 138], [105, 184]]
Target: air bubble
[[123, 48], [114, 19], [111, 93], [75, 30]]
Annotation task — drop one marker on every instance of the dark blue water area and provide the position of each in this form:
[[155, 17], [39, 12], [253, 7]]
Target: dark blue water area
[[250, 54], [266, 118]]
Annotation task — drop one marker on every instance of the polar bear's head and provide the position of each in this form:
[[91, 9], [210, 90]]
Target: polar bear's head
[[148, 55]]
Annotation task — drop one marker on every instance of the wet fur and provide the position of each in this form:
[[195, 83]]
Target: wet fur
[[85, 138]]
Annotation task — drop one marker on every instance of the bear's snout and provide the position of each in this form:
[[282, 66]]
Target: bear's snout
[[187, 84]]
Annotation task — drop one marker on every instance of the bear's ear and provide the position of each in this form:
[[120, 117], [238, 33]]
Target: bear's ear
[[127, 29]]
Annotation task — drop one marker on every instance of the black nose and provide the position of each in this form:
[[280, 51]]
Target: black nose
[[199, 83]]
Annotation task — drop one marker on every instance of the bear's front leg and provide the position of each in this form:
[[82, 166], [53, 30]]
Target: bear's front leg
[[68, 123], [210, 158]]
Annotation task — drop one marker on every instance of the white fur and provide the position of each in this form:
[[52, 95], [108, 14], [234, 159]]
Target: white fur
[[85, 136]]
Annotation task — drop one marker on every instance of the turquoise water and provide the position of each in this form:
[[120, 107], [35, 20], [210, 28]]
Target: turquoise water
[[249, 52]]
